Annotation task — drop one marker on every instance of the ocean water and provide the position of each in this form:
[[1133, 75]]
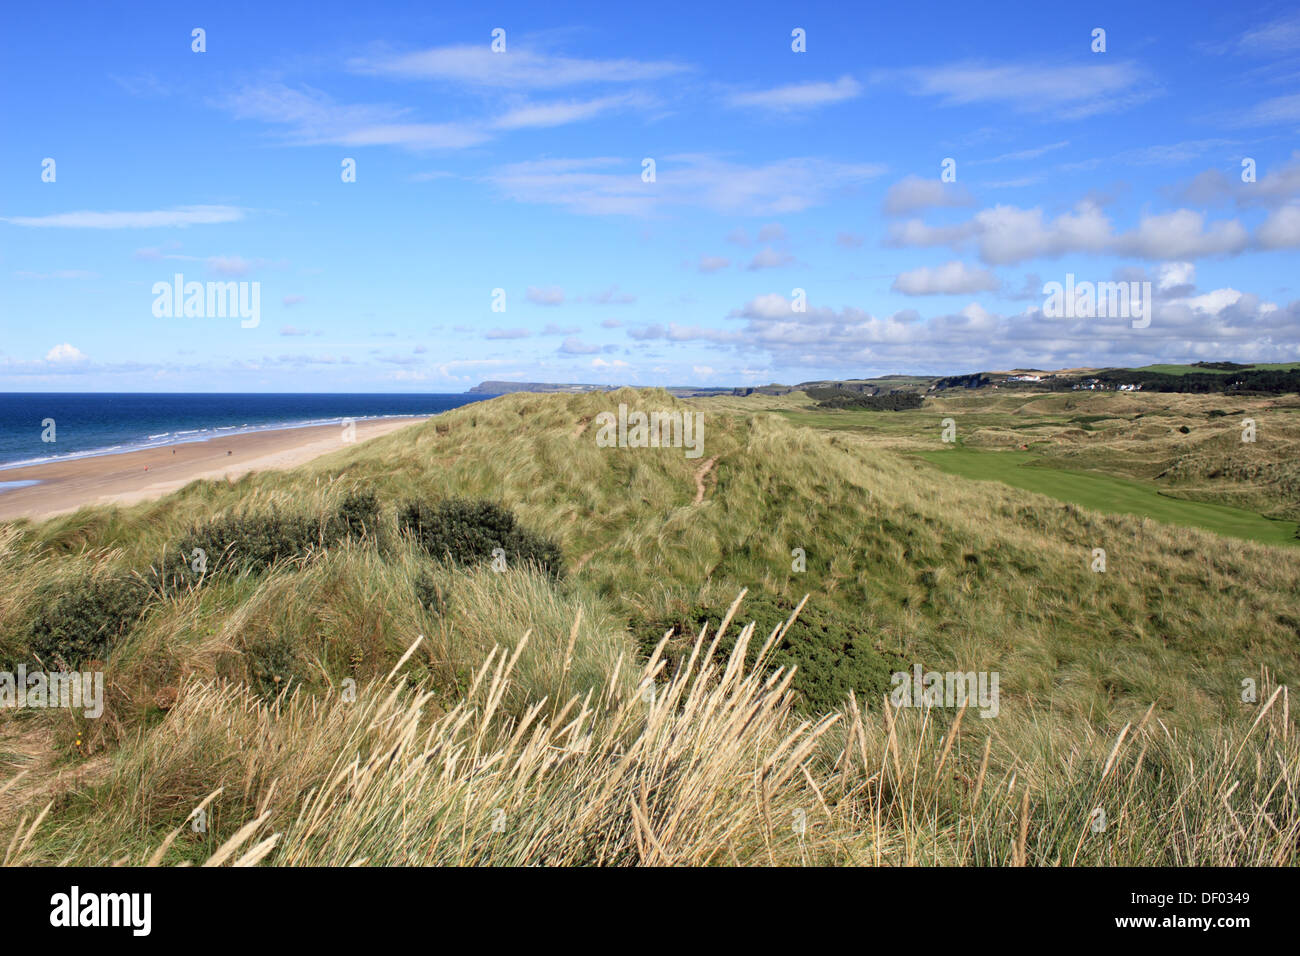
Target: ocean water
[[106, 423]]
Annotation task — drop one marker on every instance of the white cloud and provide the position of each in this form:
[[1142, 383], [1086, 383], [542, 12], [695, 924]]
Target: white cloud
[[1281, 230], [799, 96], [1182, 234], [65, 353], [1070, 92], [914, 193], [953, 278], [1005, 235], [1175, 275], [540, 115], [713, 263]]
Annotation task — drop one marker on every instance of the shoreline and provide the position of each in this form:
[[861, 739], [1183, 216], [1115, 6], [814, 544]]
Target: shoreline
[[144, 474], [219, 433]]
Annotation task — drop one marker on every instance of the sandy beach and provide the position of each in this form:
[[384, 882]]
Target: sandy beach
[[149, 473]]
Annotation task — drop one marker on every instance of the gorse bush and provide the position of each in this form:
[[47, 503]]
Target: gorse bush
[[467, 532], [358, 515], [79, 619], [254, 541], [832, 654], [248, 542]]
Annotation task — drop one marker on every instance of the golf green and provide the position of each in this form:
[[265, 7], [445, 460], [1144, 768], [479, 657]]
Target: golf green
[[1106, 493]]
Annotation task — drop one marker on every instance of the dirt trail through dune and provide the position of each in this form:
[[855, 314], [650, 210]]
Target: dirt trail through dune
[[700, 475]]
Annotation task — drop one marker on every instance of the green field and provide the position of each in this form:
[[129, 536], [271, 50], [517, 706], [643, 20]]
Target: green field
[[1107, 493]]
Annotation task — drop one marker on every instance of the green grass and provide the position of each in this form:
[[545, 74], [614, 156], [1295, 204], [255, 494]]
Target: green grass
[[1107, 493]]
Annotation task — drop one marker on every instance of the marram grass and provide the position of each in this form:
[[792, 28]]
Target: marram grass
[[708, 766]]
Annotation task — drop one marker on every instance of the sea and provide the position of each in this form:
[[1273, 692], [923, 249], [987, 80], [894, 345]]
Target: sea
[[105, 423]]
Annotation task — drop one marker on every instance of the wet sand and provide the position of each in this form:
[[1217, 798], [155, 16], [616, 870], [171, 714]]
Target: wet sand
[[135, 476]]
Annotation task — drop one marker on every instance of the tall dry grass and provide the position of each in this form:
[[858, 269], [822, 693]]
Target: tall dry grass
[[710, 765]]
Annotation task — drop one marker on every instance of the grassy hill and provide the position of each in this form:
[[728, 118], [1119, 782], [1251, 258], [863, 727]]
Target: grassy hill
[[524, 717]]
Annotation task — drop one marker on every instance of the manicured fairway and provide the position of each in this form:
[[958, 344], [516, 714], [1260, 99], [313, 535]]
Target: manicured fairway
[[1105, 493]]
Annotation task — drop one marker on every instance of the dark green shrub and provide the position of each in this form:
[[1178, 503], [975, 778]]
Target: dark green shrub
[[833, 654], [254, 541], [79, 620], [467, 532], [358, 515], [850, 398], [246, 541]]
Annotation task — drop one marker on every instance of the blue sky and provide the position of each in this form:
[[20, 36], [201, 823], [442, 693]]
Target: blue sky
[[775, 170]]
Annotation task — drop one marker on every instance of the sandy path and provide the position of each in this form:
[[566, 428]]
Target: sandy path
[[700, 475], [135, 476]]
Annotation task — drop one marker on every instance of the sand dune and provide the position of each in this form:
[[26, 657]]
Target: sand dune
[[136, 476]]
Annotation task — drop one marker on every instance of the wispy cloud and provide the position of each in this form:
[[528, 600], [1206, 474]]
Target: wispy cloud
[[545, 295], [58, 274], [179, 216], [1021, 155], [769, 258], [1068, 91], [799, 96], [609, 186], [477, 65], [541, 115], [313, 118]]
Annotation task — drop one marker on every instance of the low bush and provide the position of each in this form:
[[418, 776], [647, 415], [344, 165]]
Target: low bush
[[467, 533], [254, 541], [81, 618], [358, 515]]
